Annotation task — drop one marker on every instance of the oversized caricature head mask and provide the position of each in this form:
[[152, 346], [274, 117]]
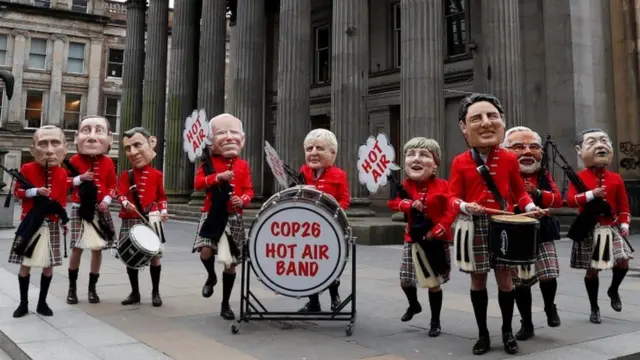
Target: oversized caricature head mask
[[421, 158], [94, 136], [139, 146], [49, 146], [227, 135], [481, 119], [526, 144], [320, 149], [594, 148]]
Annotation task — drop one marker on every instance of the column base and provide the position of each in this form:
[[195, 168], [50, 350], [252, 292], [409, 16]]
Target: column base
[[197, 198], [360, 207], [178, 197]]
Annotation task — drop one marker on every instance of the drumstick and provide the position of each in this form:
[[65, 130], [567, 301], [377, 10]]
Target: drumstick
[[142, 217], [534, 212], [496, 212]]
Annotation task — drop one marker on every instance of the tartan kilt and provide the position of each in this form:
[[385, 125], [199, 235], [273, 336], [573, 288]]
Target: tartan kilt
[[127, 224], [408, 271], [75, 227], [546, 265], [54, 242], [481, 255], [238, 233], [581, 252]]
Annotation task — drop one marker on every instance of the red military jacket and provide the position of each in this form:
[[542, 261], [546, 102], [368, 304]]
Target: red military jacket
[[549, 199], [150, 191], [241, 181], [466, 183], [104, 176], [55, 178], [615, 194], [436, 206], [332, 181]]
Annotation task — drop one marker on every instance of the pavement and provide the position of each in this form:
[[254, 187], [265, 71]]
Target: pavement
[[188, 326]]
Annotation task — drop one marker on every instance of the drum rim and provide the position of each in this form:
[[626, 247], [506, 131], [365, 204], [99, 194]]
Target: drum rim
[[274, 286], [133, 239], [532, 221], [267, 204]]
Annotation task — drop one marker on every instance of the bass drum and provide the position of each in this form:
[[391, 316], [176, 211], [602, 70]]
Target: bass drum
[[299, 243]]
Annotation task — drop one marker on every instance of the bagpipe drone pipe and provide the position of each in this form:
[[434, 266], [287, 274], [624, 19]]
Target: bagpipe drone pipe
[[216, 222], [33, 220], [585, 222], [88, 192], [434, 250]]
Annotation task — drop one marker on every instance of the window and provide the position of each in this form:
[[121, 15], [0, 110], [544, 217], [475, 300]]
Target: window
[[75, 61], [38, 54], [112, 112], [396, 35], [114, 67], [79, 6], [71, 119], [3, 49], [455, 13], [33, 109], [321, 57], [42, 3]]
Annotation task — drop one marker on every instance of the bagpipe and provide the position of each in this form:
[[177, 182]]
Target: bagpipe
[[24, 244], [94, 230], [215, 225]]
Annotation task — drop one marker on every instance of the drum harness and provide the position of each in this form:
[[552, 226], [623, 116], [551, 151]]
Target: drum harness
[[143, 214]]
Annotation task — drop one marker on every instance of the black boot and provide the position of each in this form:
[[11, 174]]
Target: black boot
[[592, 285], [93, 295], [506, 300], [548, 289], [335, 297], [23, 308], [614, 295], [435, 303], [411, 292], [523, 301], [313, 305], [72, 295], [134, 297], [480, 302], [43, 308], [156, 300], [212, 279], [227, 286]]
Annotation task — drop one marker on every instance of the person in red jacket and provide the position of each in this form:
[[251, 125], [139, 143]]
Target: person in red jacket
[[526, 144], [320, 150], [481, 119], [148, 197], [229, 185], [430, 196], [596, 151], [90, 165], [49, 148]]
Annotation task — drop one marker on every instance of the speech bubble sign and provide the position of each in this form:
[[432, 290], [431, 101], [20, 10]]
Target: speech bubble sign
[[195, 134], [375, 162]]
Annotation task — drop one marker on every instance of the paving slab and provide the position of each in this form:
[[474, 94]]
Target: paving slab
[[188, 326]]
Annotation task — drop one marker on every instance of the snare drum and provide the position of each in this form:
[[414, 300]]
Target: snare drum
[[513, 239], [140, 246], [299, 243]]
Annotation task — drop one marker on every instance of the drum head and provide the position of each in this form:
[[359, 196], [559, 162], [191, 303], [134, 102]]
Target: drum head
[[145, 238], [514, 219], [297, 248]]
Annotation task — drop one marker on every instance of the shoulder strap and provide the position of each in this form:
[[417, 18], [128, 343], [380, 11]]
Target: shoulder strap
[[488, 180], [134, 192]]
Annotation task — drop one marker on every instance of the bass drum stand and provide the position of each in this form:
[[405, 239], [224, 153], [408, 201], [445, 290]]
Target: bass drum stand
[[252, 309]]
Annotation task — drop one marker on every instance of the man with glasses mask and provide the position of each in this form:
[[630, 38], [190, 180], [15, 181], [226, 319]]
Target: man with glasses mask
[[526, 145]]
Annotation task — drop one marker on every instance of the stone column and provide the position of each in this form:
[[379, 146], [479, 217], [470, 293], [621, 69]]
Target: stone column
[[55, 90], [421, 71], [155, 75], [502, 62], [16, 116], [294, 80], [248, 78], [181, 99], [349, 92], [95, 75], [133, 72]]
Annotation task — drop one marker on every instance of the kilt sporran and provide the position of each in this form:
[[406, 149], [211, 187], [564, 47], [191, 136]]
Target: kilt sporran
[[235, 227], [408, 276], [76, 227], [54, 256], [582, 252]]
